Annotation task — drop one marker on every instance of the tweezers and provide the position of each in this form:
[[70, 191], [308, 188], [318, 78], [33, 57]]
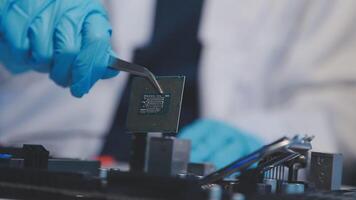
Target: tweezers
[[121, 65]]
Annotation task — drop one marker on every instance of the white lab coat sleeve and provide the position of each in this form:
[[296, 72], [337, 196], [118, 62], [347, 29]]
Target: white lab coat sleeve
[[324, 109], [282, 68], [327, 114]]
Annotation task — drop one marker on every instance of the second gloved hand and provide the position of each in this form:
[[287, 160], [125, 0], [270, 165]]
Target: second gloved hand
[[68, 39], [217, 142]]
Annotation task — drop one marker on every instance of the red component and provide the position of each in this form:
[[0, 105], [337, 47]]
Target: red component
[[106, 160]]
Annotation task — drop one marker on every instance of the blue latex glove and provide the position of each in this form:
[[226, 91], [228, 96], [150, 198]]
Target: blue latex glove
[[217, 142], [69, 39]]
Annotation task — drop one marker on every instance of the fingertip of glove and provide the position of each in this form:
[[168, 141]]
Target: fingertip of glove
[[15, 69], [110, 73], [57, 80], [78, 91]]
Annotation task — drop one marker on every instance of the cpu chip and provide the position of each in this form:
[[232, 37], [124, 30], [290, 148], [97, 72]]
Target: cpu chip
[[150, 111], [154, 104]]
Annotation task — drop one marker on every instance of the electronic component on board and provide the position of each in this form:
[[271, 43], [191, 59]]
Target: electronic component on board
[[326, 170], [168, 156]]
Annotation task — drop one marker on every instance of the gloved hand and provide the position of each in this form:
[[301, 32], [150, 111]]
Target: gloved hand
[[217, 142], [69, 39]]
